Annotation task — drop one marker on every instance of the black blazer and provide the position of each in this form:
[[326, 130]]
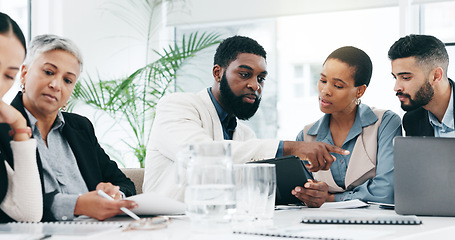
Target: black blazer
[[94, 164], [3, 176], [416, 122]]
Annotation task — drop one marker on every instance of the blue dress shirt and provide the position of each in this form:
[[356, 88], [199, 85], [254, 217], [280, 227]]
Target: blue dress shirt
[[60, 170], [446, 128], [227, 122], [380, 188]]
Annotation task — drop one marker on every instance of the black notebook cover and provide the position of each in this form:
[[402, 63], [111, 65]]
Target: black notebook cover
[[393, 220]]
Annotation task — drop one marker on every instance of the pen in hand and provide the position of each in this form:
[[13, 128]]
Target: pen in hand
[[101, 193]]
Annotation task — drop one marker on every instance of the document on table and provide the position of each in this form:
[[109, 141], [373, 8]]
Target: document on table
[[354, 203], [21, 236], [151, 203], [72, 228]]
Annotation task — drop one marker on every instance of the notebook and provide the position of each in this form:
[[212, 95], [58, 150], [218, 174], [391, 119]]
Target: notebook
[[290, 173], [60, 228], [293, 232], [346, 219], [424, 176], [313, 231]]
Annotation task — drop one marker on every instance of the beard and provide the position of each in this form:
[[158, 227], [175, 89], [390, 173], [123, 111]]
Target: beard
[[422, 97], [235, 104]]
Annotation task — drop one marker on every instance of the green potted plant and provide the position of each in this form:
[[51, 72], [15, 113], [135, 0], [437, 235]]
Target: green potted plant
[[132, 99]]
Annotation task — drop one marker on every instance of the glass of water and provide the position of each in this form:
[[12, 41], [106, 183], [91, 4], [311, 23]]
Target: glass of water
[[255, 188], [210, 192]]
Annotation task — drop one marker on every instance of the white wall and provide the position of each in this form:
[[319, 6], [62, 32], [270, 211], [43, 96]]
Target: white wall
[[211, 11]]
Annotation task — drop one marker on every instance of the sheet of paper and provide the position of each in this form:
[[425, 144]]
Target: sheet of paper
[[58, 228], [355, 203], [23, 236], [151, 203]]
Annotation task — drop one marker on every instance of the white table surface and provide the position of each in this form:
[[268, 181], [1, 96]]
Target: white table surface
[[180, 228]]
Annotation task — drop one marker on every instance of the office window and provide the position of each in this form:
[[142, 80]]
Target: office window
[[306, 76], [17, 10], [298, 71], [299, 80], [451, 52], [443, 27]]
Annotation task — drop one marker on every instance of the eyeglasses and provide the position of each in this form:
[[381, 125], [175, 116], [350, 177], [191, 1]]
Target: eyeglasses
[[153, 223]]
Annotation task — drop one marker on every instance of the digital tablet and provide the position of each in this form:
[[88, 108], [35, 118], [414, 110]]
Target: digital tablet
[[290, 173]]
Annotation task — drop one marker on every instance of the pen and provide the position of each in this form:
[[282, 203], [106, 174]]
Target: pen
[[45, 237], [101, 193]]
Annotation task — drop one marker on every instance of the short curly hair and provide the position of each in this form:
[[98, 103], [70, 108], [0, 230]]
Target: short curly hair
[[228, 50]]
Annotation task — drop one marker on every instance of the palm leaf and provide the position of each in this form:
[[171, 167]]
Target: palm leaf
[[133, 99]]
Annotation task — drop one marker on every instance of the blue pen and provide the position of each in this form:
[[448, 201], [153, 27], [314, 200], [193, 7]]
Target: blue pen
[[101, 193]]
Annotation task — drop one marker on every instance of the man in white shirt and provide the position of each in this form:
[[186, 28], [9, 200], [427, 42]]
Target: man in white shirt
[[181, 119]]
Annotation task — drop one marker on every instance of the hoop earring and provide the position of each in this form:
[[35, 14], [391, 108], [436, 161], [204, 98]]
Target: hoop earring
[[358, 101], [63, 108]]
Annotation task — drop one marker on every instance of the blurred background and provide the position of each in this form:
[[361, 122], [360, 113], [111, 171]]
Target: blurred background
[[118, 37]]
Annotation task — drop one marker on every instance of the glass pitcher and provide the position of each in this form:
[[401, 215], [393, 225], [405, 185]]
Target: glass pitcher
[[209, 191]]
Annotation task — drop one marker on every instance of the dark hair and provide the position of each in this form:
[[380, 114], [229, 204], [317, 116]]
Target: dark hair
[[228, 50], [8, 25], [429, 51], [357, 59]]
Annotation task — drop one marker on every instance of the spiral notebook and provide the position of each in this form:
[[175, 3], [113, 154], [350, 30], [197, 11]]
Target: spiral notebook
[[73, 228], [393, 220], [291, 233], [312, 231]]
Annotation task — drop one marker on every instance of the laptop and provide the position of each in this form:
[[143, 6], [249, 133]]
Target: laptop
[[290, 173], [424, 176]]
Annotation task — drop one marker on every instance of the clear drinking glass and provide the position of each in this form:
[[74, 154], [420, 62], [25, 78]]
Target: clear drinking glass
[[255, 191], [210, 192]]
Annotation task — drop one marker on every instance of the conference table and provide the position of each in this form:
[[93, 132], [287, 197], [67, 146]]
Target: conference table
[[284, 221]]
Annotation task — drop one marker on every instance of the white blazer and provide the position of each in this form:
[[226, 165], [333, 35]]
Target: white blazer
[[185, 118]]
